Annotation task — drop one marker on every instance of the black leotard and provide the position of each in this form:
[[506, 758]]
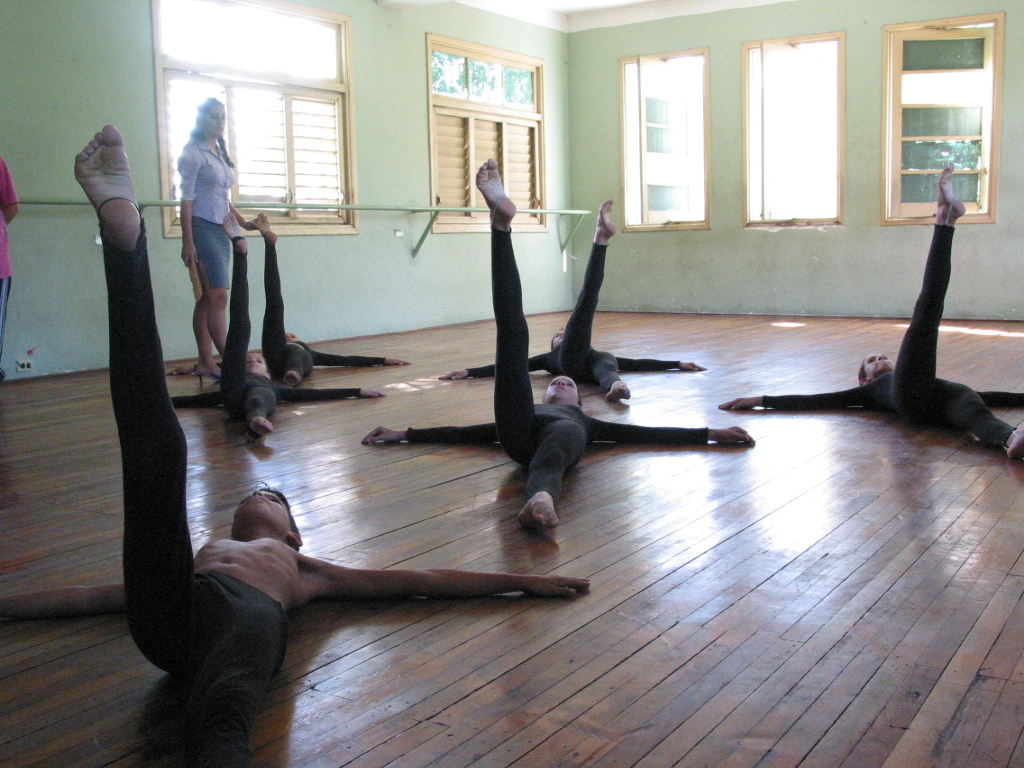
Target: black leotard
[[246, 396], [548, 439], [912, 389], [283, 355], [574, 357]]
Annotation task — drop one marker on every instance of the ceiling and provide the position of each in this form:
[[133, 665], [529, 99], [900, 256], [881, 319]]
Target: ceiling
[[576, 15]]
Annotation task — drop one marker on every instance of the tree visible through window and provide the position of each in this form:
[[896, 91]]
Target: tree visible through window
[[665, 148], [280, 69], [793, 122], [484, 103], [943, 106]]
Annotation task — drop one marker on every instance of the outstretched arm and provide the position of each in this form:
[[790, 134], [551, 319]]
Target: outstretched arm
[[64, 602], [329, 581]]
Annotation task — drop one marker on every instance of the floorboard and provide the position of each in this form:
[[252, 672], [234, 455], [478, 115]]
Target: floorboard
[[847, 593]]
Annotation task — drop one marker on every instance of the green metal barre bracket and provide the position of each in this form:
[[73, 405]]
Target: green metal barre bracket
[[426, 231]]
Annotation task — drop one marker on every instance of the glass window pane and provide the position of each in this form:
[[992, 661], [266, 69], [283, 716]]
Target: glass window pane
[[518, 87], [921, 188], [944, 54], [659, 111], [934, 155], [261, 40], [942, 121], [666, 198], [665, 140], [485, 82], [448, 74]]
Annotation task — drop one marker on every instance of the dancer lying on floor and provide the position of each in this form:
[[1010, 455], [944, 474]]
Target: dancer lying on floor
[[548, 439], [288, 358], [246, 390], [909, 387], [217, 620], [571, 354]]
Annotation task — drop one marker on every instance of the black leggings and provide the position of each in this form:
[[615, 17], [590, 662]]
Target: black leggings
[[575, 355], [546, 447], [916, 393], [176, 617]]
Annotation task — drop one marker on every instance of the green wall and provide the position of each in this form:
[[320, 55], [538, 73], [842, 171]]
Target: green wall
[[69, 67], [861, 268]]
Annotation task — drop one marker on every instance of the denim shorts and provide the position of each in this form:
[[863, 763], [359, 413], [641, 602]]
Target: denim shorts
[[213, 248]]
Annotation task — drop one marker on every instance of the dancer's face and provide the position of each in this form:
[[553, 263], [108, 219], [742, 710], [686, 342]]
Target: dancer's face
[[562, 391], [874, 366], [255, 365], [263, 516], [215, 122], [557, 338]]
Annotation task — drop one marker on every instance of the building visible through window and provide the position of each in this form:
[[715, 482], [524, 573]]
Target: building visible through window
[[484, 103], [793, 130], [281, 71], [664, 140]]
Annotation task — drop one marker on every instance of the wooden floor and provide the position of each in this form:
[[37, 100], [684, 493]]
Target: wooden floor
[[846, 593]]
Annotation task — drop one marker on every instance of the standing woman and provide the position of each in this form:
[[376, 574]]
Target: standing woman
[[206, 181]]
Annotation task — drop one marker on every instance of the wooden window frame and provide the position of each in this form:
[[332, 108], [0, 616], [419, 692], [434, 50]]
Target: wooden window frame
[[291, 222], [894, 211], [646, 225], [749, 222], [504, 116]]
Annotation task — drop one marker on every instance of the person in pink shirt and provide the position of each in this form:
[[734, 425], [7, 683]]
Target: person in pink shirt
[[8, 210]]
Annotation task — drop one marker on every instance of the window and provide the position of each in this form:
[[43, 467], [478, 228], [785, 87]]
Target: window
[[484, 103], [943, 93], [282, 72], [793, 125], [665, 141]]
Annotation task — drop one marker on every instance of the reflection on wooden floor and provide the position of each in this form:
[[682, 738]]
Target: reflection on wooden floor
[[846, 593]]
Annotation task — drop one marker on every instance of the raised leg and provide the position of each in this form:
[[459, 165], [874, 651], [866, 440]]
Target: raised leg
[[274, 342], [576, 342], [233, 364], [914, 376], [157, 556], [513, 394]]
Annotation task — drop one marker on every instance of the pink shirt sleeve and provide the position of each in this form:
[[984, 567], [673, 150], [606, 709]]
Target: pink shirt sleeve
[[8, 194]]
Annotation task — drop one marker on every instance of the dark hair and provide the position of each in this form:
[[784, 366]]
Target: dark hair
[[279, 495], [197, 132], [862, 373]]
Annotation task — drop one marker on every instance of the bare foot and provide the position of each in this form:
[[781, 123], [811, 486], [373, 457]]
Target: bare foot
[[619, 391], [503, 210], [1015, 444], [262, 223], [539, 512], [102, 170], [949, 209], [292, 378], [259, 426], [605, 229]]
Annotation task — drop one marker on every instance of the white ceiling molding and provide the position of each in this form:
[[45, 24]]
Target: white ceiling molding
[[577, 15]]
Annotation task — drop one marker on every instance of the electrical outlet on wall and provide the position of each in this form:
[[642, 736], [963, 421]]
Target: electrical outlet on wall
[[24, 365]]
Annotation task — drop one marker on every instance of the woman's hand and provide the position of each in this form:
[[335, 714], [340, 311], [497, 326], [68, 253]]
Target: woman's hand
[[743, 404], [463, 374], [382, 435], [730, 436], [188, 254]]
